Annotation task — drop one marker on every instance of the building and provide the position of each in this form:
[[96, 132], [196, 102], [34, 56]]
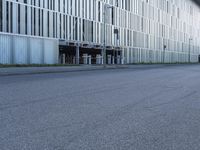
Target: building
[[72, 31]]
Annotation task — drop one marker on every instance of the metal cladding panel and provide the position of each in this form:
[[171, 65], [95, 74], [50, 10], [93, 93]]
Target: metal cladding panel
[[50, 51], [5, 49], [36, 51], [16, 49], [20, 50], [143, 25]]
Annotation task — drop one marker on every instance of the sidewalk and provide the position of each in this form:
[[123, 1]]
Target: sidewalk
[[41, 70], [11, 71]]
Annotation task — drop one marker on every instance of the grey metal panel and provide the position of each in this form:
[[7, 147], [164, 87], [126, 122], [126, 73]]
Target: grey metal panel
[[20, 50], [36, 48], [15, 49], [50, 51], [171, 23], [5, 49]]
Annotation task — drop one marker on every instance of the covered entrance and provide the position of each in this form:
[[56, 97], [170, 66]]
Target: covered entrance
[[74, 53], [199, 58]]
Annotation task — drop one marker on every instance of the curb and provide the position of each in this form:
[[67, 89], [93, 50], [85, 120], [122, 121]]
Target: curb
[[83, 69], [4, 74]]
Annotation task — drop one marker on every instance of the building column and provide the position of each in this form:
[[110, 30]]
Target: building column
[[77, 55], [63, 59], [102, 56]]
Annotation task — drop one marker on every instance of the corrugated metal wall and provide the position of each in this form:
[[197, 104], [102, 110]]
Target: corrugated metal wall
[[36, 51], [49, 51], [5, 49], [16, 49], [139, 55], [20, 48]]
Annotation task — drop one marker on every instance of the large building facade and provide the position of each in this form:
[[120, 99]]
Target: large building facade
[[68, 31]]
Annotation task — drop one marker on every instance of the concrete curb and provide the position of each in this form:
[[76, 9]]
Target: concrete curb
[[45, 70], [26, 71]]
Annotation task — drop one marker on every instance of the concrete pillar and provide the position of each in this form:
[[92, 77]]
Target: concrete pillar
[[102, 58], [85, 59], [98, 59], [89, 59], [113, 60], [77, 55], [63, 59], [74, 60], [109, 59], [122, 61], [118, 59]]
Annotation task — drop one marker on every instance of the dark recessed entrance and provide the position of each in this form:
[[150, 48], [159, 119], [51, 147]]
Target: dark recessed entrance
[[199, 58], [71, 54], [67, 54], [90, 52]]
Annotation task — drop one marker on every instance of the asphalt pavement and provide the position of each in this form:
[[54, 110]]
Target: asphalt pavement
[[149, 108]]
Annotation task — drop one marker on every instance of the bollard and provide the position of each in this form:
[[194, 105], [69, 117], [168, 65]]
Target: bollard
[[118, 59], [63, 59]]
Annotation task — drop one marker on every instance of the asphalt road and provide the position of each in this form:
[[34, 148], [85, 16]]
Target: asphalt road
[[154, 108]]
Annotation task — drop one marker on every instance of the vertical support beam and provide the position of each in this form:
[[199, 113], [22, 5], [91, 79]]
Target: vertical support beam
[[4, 15], [77, 55], [121, 54], [102, 56], [63, 59], [113, 59], [14, 21], [104, 34], [29, 16]]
